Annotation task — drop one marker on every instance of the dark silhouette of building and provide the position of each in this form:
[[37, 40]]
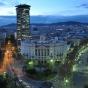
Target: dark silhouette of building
[[23, 21]]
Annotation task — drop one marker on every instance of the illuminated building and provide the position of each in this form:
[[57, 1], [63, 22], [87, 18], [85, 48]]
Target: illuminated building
[[43, 49], [23, 21]]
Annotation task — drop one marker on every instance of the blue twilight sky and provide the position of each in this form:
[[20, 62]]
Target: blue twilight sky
[[47, 7]]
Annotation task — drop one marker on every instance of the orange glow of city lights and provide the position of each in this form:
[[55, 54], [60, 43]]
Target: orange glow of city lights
[[7, 60]]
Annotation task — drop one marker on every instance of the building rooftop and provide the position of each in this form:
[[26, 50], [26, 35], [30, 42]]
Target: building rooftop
[[23, 6]]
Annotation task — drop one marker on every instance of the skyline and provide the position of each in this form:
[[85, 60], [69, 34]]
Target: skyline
[[46, 7]]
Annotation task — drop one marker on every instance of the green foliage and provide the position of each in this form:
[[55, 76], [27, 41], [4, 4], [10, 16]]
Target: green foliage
[[40, 75], [86, 86], [34, 70], [3, 82], [66, 68]]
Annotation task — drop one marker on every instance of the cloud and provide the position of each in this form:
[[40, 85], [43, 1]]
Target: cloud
[[7, 7], [8, 3], [7, 11], [2, 4], [85, 5]]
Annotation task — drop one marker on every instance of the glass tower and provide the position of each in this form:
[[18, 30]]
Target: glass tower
[[23, 21]]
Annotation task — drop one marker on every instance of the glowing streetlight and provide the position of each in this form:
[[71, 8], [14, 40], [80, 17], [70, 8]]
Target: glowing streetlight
[[30, 63], [66, 81], [4, 74], [51, 61], [74, 68]]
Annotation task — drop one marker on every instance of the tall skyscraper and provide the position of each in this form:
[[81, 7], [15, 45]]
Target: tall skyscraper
[[23, 21]]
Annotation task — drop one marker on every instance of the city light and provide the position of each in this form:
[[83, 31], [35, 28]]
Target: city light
[[4, 75], [74, 68], [66, 81], [7, 60], [52, 57], [51, 61], [30, 63]]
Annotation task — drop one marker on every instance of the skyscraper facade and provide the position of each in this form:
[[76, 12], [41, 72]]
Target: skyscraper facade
[[23, 21]]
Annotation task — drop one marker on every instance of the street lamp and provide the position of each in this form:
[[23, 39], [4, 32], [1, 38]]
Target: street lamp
[[74, 68], [66, 81], [51, 61], [4, 75], [30, 63]]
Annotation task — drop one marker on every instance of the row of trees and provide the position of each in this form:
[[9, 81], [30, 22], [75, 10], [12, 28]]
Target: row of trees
[[66, 68]]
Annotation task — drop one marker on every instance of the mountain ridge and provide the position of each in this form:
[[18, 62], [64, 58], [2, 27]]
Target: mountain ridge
[[40, 19]]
